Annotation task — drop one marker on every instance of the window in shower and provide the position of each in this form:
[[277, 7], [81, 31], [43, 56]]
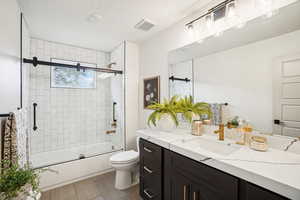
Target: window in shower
[[62, 77], [74, 122]]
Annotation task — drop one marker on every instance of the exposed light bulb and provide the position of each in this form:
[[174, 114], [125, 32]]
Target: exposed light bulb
[[209, 20], [231, 9], [266, 6], [190, 28]]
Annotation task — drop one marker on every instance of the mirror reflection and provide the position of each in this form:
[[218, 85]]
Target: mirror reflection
[[256, 70], [181, 79]]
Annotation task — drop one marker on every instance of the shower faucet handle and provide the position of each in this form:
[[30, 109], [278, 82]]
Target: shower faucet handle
[[114, 124], [110, 132]]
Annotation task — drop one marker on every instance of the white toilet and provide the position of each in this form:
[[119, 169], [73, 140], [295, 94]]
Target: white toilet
[[126, 165]]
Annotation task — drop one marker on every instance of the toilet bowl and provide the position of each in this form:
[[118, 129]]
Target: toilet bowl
[[126, 166]]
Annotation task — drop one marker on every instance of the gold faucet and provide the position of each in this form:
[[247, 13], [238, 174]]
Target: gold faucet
[[220, 132]]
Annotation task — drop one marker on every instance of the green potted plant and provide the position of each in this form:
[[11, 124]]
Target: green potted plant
[[19, 183], [165, 115], [190, 110]]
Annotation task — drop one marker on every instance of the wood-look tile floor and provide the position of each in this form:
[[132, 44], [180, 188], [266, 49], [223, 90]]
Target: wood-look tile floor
[[96, 188]]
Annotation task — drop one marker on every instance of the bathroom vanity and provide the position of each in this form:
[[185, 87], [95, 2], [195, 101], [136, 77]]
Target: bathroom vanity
[[173, 168]]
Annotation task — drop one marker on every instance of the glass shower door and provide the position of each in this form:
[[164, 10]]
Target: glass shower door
[[109, 118], [73, 113]]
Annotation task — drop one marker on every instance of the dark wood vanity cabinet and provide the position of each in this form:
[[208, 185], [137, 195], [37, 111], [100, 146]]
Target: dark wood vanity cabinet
[[166, 175], [186, 179], [249, 191]]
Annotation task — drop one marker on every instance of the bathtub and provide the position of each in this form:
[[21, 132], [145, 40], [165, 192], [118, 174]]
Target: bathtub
[[69, 168]]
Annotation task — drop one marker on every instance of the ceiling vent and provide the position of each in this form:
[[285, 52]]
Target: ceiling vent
[[144, 25]]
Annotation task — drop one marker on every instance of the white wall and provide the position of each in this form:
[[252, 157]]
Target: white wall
[[131, 93], [154, 52], [243, 77], [9, 56]]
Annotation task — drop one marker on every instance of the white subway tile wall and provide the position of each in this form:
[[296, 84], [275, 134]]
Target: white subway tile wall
[[66, 117]]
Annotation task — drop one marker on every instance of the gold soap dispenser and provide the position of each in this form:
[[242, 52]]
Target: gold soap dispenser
[[197, 128], [246, 130]]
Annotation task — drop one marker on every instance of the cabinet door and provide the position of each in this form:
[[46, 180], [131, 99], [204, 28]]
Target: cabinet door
[[210, 183], [180, 187], [249, 191], [200, 192]]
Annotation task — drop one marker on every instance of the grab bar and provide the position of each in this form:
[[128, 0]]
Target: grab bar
[[34, 117]]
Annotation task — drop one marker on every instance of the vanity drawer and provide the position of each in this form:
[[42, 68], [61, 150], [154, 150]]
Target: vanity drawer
[[150, 188], [150, 159], [148, 167], [150, 151]]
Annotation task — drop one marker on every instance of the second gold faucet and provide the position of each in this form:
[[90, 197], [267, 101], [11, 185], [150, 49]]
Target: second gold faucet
[[221, 131]]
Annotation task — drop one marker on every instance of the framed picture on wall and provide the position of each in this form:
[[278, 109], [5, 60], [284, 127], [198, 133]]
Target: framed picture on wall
[[151, 91]]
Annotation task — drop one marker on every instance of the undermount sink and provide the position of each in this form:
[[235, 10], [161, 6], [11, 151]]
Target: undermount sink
[[216, 147]]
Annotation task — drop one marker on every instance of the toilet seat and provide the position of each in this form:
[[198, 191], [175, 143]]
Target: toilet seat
[[125, 157]]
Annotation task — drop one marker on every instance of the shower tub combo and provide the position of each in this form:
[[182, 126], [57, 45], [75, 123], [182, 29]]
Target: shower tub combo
[[76, 110]]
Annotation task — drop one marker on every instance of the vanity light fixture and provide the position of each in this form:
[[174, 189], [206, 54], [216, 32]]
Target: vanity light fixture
[[225, 9], [209, 16], [233, 16], [231, 9], [209, 20], [266, 6], [190, 28]]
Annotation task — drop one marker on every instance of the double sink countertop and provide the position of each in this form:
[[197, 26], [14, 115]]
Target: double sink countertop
[[277, 169]]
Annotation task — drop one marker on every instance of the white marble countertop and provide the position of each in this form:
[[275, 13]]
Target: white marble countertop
[[276, 170]]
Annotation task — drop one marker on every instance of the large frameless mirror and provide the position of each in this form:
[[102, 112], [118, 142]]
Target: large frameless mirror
[[253, 69]]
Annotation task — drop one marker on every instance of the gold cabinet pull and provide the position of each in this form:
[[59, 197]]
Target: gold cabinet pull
[[184, 192]]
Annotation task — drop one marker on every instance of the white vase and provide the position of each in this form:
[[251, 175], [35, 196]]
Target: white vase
[[166, 123], [24, 194], [28, 194]]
